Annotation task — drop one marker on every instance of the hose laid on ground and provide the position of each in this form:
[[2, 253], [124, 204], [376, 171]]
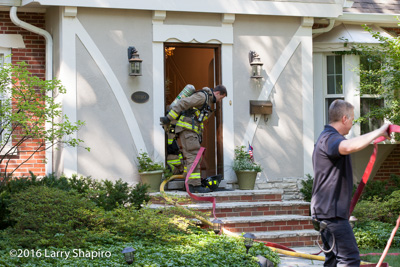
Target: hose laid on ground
[[172, 202]]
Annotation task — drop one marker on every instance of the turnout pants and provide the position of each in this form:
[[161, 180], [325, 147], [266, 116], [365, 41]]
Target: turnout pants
[[190, 147]]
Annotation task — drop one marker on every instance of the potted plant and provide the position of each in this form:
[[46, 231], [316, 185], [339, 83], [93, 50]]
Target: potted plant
[[150, 172], [245, 168]]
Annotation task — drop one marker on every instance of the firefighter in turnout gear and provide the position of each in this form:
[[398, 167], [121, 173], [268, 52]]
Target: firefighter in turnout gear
[[189, 113], [174, 155]]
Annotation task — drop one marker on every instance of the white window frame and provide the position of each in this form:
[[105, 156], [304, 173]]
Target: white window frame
[[370, 96], [351, 81], [5, 58]]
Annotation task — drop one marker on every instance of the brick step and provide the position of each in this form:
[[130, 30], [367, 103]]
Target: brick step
[[261, 212], [262, 208], [267, 223], [300, 238], [223, 196]]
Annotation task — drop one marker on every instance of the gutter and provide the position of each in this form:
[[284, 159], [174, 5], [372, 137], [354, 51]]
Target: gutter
[[326, 29], [49, 65]]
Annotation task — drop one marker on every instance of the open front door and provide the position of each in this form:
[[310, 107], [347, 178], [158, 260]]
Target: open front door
[[199, 65]]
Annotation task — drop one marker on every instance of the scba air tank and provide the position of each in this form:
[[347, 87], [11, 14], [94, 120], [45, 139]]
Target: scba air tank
[[187, 91]]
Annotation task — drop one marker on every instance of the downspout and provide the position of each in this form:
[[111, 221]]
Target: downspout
[[49, 66], [326, 29]]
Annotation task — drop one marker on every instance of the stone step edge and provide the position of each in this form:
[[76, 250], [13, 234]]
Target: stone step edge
[[260, 219], [223, 193], [224, 205], [282, 234]]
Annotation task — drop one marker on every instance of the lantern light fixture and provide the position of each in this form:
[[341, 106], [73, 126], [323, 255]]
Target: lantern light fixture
[[256, 64], [129, 254], [248, 241], [135, 63], [217, 224]]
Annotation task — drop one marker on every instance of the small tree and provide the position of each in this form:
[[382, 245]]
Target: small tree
[[382, 77], [25, 108]]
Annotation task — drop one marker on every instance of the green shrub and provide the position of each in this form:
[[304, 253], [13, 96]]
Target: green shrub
[[158, 225], [306, 188], [377, 209], [105, 194], [362, 210], [381, 189], [201, 249], [47, 216], [147, 164], [392, 205], [374, 234], [243, 161]]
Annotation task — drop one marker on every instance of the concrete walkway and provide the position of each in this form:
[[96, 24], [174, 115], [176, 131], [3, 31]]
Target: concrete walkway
[[288, 261]]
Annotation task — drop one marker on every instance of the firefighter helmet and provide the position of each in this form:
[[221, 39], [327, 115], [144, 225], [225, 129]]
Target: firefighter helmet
[[212, 182]]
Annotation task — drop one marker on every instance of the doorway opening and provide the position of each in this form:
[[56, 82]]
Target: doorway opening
[[199, 65]]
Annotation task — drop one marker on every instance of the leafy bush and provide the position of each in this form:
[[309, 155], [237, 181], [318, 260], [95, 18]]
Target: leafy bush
[[385, 210], [374, 234], [200, 249], [243, 161], [306, 188], [147, 164], [105, 194], [381, 189], [47, 216]]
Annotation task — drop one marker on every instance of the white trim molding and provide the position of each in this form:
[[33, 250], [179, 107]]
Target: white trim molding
[[311, 8], [11, 41]]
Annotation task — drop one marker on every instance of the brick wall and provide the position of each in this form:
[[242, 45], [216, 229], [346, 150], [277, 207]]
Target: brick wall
[[34, 55], [390, 166]]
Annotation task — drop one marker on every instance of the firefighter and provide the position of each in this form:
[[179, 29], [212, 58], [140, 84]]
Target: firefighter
[[174, 155], [190, 112]]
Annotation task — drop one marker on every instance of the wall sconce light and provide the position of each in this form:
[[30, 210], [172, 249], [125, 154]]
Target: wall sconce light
[[135, 63], [256, 64]]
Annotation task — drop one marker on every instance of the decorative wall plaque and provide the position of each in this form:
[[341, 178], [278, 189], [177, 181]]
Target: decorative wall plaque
[[140, 97]]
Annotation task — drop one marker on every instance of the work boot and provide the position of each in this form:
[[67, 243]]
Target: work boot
[[198, 189]]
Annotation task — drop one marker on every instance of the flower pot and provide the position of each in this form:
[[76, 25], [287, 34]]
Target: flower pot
[[152, 178], [246, 179]]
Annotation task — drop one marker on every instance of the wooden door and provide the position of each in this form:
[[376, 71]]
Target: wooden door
[[199, 65]]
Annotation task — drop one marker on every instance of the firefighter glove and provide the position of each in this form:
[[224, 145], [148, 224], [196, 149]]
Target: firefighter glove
[[164, 120]]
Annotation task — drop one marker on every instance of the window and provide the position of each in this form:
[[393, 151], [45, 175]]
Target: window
[[4, 58], [334, 78], [370, 85]]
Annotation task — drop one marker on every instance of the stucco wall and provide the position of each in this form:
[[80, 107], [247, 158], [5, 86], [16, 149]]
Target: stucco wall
[[113, 152], [278, 142]]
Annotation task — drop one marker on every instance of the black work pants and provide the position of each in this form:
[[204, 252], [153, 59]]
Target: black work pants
[[345, 251]]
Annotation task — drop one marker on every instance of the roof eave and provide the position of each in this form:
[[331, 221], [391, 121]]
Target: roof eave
[[300, 9]]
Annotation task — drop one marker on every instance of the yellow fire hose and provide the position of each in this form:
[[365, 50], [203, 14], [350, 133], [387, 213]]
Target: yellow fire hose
[[172, 202], [205, 221]]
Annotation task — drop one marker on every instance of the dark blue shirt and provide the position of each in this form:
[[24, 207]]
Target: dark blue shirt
[[333, 177]]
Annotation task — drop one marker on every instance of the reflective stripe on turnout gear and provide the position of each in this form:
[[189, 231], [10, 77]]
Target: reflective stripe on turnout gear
[[188, 126], [174, 161], [195, 175], [173, 114]]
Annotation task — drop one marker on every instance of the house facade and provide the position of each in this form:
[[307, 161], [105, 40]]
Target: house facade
[[85, 44]]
